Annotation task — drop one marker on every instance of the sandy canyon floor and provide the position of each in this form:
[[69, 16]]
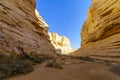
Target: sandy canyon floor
[[74, 69]]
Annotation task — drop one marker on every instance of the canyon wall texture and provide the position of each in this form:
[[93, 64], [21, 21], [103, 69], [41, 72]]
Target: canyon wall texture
[[101, 31], [22, 30], [61, 43]]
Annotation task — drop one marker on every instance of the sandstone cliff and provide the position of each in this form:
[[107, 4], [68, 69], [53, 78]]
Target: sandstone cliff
[[101, 31], [21, 30], [61, 43]]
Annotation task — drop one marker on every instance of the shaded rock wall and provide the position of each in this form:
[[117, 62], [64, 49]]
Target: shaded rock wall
[[101, 31], [21, 30]]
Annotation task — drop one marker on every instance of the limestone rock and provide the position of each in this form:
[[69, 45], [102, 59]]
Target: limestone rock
[[55, 63], [21, 30], [61, 43], [101, 31]]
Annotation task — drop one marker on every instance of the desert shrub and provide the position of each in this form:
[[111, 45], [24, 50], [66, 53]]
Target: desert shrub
[[86, 58], [10, 66], [39, 58], [115, 69]]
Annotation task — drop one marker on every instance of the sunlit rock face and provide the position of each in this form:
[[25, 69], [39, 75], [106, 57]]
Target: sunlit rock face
[[21, 30], [61, 43], [101, 31]]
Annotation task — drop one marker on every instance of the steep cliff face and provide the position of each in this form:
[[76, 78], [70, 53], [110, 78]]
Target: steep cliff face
[[102, 21], [21, 30], [61, 43], [101, 31]]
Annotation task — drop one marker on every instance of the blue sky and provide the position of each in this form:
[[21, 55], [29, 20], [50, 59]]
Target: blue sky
[[65, 17]]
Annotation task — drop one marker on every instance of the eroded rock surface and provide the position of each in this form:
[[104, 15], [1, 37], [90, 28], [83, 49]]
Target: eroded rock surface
[[21, 30], [101, 31], [61, 43]]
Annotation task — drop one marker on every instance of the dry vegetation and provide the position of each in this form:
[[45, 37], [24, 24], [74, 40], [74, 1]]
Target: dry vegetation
[[14, 65], [115, 69]]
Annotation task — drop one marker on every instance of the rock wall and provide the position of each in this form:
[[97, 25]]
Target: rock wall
[[61, 43], [21, 30], [101, 31]]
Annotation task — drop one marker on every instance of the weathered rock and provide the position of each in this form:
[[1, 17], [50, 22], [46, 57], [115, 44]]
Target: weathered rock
[[101, 31], [21, 30], [61, 43], [55, 63]]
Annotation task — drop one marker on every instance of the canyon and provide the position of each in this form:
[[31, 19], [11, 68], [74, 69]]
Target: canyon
[[27, 46], [23, 30]]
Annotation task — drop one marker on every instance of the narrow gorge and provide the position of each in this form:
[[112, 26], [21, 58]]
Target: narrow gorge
[[29, 52]]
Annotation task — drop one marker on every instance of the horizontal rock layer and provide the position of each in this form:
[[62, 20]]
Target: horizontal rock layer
[[101, 31], [61, 43], [21, 30]]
